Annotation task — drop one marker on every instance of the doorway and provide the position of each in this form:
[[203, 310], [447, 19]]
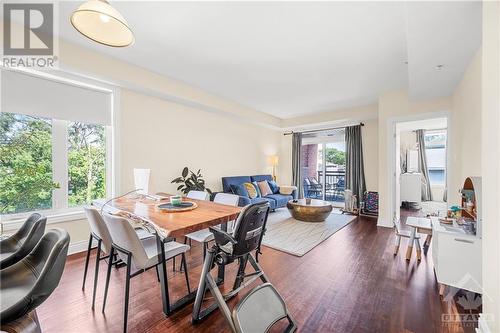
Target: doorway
[[323, 166], [421, 165]]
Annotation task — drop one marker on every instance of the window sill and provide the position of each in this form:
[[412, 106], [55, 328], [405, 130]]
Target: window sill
[[52, 218]]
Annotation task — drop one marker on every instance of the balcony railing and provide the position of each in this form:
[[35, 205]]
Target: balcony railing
[[334, 186]]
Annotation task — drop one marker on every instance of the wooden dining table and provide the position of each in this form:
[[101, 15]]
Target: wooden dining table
[[170, 225]]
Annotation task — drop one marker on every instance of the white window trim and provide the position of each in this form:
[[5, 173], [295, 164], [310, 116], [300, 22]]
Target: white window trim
[[60, 212]]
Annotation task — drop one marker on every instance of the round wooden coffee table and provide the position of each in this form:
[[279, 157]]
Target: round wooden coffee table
[[309, 210]]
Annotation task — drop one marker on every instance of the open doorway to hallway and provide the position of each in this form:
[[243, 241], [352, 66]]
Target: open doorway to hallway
[[421, 168]]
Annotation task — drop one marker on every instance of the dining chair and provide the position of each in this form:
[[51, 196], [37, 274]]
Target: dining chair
[[402, 233], [205, 235], [30, 281], [20, 244], [139, 255], [198, 195], [100, 233]]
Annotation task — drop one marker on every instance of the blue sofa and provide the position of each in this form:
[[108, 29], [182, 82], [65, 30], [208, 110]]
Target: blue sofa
[[275, 200]]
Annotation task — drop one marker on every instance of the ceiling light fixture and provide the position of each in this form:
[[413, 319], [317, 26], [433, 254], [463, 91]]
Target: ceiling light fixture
[[99, 21], [439, 67]]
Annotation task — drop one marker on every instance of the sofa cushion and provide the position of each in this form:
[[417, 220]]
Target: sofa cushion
[[274, 187], [257, 188], [259, 178], [237, 180], [264, 188], [272, 203], [239, 189], [252, 191], [280, 199]]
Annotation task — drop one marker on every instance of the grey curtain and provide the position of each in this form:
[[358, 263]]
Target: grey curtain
[[296, 157], [422, 166], [355, 171]]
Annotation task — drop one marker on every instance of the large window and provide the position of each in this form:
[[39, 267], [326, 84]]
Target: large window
[[25, 163], [54, 144], [435, 148], [32, 177]]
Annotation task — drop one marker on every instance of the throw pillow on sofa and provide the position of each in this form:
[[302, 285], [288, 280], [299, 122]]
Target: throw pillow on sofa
[[264, 188], [239, 190], [252, 191], [257, 189], [273, 186]]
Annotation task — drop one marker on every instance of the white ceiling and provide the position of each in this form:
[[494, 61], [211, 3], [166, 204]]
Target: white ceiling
[[295, 58]]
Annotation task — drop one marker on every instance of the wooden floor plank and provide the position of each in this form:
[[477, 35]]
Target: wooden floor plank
[[352, 282]]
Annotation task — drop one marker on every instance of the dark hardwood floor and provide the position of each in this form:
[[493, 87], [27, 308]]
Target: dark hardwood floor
[[352, 282]]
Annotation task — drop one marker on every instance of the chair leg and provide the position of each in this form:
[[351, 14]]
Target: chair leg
[[108, 274], [409, 250], [396, 245], [96, 274], [157, 273], [127, 291], [205, 246], [186, 272], [87, 262], [419, 250]]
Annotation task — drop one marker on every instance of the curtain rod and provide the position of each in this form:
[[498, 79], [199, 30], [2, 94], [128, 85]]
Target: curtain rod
[[321, 130]]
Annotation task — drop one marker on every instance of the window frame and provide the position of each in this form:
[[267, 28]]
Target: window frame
[[61, 211]]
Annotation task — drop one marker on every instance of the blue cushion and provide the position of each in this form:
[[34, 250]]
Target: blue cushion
[[272, 203], [280, 199], [259, 178], [273, 186], [239, 190], [237, 180]]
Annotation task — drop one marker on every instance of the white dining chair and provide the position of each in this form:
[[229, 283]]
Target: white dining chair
[[100, 233], [402, 233], [198, 195], [204, 236], [138, 254]]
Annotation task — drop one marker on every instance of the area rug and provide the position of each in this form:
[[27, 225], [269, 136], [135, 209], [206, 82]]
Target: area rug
[[284, 233]]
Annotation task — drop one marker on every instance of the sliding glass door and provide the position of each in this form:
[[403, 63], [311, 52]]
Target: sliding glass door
[[323, 166]]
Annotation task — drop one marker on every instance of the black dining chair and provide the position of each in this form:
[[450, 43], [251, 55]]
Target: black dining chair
[[29, 282], [20, 244]]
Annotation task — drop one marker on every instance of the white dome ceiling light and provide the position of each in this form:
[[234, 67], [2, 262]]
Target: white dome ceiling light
[[100, 22]]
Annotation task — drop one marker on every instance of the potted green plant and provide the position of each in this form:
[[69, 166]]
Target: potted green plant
[[190, 181]]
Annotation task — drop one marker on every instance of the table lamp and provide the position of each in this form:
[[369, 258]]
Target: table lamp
[[273, 161]]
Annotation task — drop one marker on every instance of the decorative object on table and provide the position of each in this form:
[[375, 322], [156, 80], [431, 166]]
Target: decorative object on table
[[446, 220], [455, 212], [369, 205], [182, 207], [190, 181], [141, 180], [176, 200], [273, 161], [309, 210], [100, 22]]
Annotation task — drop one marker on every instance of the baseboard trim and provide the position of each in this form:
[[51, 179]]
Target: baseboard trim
[[80, 246], [482, 325]]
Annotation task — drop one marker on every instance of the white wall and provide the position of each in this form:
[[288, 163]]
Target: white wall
[[491, 165], [466, 122], [166, 137]]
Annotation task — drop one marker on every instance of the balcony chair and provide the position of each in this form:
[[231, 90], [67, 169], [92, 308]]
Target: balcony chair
[[204, 236], [138, 254], [262, 307], [30, 281], [100, 233], [20, 244]]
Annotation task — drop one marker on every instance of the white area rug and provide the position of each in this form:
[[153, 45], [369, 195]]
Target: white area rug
[[284, 233]]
